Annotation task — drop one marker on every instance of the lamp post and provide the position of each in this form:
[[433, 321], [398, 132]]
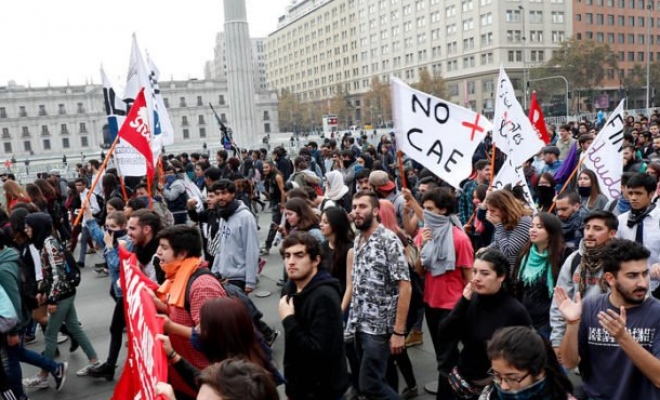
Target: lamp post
[[555, 77], [649, 7], [524, 39]]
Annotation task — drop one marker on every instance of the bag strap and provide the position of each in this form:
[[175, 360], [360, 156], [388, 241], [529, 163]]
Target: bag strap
[[199, 272]]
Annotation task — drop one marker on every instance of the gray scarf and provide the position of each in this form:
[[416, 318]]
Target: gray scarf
[[439, 256]]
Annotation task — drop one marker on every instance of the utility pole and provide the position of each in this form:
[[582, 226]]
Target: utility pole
[[649, 21]]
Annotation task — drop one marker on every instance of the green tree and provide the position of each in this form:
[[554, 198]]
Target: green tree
[[431, 84], [378, 101], [341, 106]]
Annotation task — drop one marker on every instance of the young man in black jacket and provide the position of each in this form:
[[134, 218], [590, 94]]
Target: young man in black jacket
[[314, 363]]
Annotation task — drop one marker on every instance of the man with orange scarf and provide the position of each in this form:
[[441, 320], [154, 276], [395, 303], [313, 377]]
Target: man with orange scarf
[[179, 252]]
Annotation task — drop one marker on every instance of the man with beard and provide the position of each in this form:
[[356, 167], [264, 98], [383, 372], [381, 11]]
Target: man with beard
[[314, 363], [237, 251], [630, 161], [381, 296], [582, 271], [640, 224], [143, 226], [654, 156], [569, 211], [614, 337]]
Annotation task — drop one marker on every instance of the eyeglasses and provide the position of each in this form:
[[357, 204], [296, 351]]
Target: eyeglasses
[[509, 380]]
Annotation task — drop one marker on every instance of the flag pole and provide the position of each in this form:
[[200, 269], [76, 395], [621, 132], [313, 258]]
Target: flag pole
[[568, 181], [96, 181], [402, 171], [492, 167], [123, 188], [149, 182]]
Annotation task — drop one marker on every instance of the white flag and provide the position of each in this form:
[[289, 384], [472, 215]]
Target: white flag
[[605, 157], [512, 124], [128, 160], [164, 126], [136, 79], [439, 135], [194, 193], [514, 176]]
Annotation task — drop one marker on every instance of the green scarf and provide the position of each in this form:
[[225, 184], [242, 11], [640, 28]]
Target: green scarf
[[533, 266]]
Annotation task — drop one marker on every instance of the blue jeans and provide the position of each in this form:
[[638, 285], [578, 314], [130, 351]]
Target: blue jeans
[[12, 358], [374, 355], [84, 236]]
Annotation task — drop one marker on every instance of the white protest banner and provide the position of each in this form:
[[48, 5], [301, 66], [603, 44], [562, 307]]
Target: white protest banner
[[128, 160], [436, 133], [164, 126], [604, 156], [512, 124]]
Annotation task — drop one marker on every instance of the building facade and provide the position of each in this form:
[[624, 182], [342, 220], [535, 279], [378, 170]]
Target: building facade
[[321, 46], [217, 68], [53, 121]]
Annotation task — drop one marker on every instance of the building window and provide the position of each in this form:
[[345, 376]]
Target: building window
[[64, 129], [5, 133], [202, 132], [199, 101], [83, 127], [46, 144], [42, 110], [44, 130], [512, 15], [186, 134], [8, 148], [22, 112], [80, 109], [536, 17], [25, 132], [223, 118], [65, 143], [557, 17], [3, 112], [266, 116], [84, 141], [182, 102], [61, 109], [27, 146], [200, 120], [184, 121], [166, 101]]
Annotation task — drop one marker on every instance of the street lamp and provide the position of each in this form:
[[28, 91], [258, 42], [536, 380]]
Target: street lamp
[[524, 39], [649, 7]]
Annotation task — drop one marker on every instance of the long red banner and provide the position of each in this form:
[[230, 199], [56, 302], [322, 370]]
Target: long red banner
[[146, 364]]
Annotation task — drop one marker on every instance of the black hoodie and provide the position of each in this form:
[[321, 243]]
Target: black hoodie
[[314, 363]]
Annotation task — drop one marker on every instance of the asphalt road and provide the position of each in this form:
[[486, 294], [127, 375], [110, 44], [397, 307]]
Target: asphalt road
[[95, 306]]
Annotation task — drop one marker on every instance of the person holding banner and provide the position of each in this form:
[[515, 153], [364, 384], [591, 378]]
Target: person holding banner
[[183, 293]]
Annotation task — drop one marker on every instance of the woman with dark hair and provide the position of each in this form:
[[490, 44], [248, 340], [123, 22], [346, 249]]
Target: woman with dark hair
[[114, 204], [537, 268], [56, 208], [591, 198], [200, 167], [338, 249], [111, 188], [481, 229], [524, 366], [301, 218], [485, 306], [545, 191], [225, 331], [36, 197], [511, 221]]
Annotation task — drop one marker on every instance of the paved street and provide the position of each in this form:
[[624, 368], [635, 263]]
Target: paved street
[[95, 306]]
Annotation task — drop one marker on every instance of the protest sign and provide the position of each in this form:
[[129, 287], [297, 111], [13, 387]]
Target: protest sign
[[436, 133]]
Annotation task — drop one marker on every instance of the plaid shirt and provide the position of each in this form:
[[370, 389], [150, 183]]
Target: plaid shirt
[[465, 204], [378, 266]]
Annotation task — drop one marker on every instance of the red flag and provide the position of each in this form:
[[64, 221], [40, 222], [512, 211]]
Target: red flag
[[8, 164], [537, 120], [135, 131]]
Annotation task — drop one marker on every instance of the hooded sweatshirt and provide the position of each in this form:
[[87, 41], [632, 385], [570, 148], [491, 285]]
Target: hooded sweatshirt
[[314, 364], [237, 256], [10, 280]]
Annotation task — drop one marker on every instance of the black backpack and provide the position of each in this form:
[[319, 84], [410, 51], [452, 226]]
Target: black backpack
[[71, 267]]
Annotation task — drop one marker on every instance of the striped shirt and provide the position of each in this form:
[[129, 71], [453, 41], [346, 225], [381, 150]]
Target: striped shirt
[[510, 242]]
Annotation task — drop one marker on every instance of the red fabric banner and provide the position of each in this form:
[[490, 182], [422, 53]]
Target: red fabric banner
[[146, 364], [537, 120], [135, 131]]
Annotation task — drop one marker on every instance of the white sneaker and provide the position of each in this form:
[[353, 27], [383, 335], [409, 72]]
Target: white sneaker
[[85, 370], [61, 338], [36, 382]]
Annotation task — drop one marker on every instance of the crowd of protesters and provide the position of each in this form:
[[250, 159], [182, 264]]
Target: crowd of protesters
[[553, 300]]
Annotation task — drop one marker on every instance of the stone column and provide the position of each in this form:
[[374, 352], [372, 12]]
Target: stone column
[[240, 76]]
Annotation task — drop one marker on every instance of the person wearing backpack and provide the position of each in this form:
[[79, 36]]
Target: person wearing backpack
[[302, 176], [179, 251], [57, 290], [174, 192], [11, 342]]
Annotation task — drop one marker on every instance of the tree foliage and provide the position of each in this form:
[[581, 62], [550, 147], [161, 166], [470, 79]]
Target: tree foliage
[[431, 84], [583, 63], [341, 106], [378, 100], [290, 112]]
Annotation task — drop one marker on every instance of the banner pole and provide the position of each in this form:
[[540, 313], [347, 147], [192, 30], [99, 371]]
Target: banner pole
[[492, 167], [151, 204], [123, 188], [568, 181], [96, 181], [402, 171]]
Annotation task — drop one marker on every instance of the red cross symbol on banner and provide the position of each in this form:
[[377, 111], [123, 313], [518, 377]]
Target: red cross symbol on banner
[[475, 127]]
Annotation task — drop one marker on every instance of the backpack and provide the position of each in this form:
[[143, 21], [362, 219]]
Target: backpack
[[231, 290], [71, 268], [28, 287], [575, 262]]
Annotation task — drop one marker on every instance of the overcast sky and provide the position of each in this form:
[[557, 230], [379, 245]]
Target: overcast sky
[[52, 41]]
